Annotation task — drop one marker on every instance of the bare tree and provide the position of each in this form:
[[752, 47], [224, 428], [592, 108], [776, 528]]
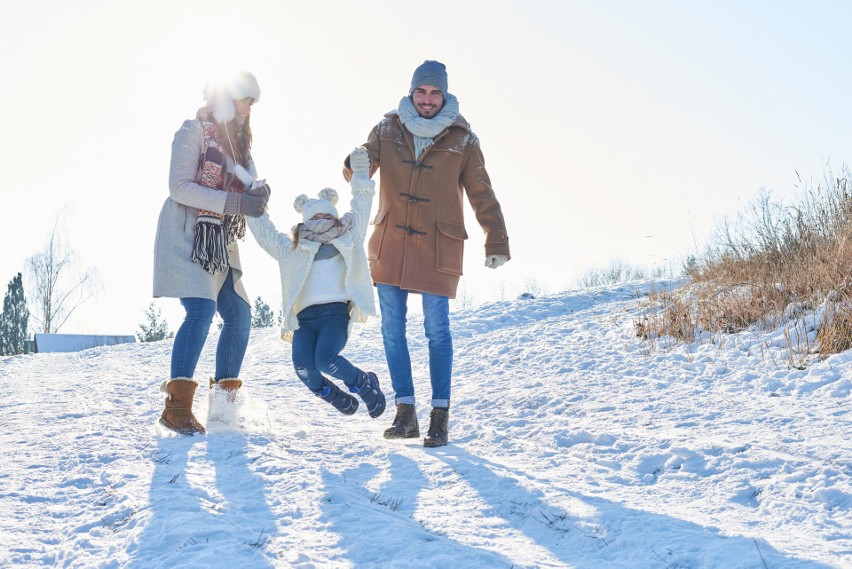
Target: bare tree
[[56, 293], [464, 298]]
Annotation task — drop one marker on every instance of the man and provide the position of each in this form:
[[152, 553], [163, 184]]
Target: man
[[428, 156]]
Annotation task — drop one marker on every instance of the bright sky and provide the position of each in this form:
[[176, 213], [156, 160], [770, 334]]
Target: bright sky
[[616, 129]]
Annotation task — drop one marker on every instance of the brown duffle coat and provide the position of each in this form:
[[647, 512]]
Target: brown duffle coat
[[418, 236]]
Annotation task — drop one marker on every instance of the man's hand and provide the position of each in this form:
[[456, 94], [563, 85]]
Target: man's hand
[[494, 261]]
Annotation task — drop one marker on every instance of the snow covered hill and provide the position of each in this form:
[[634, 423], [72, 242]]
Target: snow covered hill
[[573, 444]]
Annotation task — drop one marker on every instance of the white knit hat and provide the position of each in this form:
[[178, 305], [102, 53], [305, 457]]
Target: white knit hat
[[221, 94], [324, 204]]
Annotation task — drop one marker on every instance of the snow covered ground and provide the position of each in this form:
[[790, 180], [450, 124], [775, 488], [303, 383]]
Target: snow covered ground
[[573, 444]]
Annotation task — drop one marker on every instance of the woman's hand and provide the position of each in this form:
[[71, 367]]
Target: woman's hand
[[253, 202]]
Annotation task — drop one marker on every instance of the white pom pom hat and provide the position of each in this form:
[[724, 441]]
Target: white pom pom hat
[[324, 204], [220, 94]]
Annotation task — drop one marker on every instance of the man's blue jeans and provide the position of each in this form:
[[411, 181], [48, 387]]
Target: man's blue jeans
[[317, 344], [393, 303], [233, 339]]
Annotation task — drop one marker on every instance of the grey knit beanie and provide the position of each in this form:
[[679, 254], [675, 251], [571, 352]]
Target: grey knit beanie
[[429, 73]]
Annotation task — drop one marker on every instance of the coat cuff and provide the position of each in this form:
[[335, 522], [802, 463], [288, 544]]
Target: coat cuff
[[497, 243], [232, 203]]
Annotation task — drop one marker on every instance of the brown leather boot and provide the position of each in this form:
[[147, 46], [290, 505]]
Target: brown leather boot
[[404, 424], [177, 415], [438, 434]]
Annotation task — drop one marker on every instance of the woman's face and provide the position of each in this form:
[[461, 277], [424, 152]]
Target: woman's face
[[323, 216], [243, 110]]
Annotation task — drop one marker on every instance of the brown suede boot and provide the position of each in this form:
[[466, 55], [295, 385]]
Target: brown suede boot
[[404, 424], [177, 415], [228, 385], [438, 434]]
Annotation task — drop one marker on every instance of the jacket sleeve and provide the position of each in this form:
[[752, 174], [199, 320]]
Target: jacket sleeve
[[477, 185], [374, 147], [186, 153], [274, 242], [362, 202]]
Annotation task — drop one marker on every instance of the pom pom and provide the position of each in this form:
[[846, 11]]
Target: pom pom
[[299, 202], [329, 195]]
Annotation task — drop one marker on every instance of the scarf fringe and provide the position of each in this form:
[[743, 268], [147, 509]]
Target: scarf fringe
[[236, 225], [211, 246]]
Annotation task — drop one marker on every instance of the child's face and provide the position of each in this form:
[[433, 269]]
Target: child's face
[[323, 216]]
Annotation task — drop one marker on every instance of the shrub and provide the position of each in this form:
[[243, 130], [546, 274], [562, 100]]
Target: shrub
[[769, 258]]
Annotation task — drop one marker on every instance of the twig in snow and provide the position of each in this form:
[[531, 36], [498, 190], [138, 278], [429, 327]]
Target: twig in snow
[[393, 504], [261, 541], [762, 560]]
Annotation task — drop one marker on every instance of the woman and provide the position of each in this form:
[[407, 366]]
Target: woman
[[196, 258]]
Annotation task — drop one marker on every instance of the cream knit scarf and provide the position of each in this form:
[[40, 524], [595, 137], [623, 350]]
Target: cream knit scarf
[[424, 130]]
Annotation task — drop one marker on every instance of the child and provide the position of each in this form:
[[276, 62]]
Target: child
[[325, 286]]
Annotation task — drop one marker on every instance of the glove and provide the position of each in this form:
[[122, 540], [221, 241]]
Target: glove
[[359, 160], [262, 189], [253, 202], [494, 261]]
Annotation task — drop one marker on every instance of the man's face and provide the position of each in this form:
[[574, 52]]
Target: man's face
[[428, 100]]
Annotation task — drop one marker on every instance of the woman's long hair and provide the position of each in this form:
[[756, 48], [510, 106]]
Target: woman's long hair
[[236, 141]]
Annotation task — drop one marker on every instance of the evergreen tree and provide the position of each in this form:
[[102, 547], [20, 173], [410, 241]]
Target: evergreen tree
[[156, 328], [262, 315], [14, 319]]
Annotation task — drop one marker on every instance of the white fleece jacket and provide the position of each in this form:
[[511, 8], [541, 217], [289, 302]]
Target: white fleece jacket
[[294, 264]]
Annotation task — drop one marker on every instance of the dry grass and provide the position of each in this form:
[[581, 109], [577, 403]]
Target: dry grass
[[835, 335], [765, 269]]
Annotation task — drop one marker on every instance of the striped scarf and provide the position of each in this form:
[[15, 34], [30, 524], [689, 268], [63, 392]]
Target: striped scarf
[[214, 232], [323, 231]]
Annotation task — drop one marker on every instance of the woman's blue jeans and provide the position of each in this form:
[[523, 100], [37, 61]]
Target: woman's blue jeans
[[322, 334], [393, 303], [233, 339]]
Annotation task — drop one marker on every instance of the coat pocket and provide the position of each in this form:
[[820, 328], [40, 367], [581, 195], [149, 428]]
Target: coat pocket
[[449, 247], [374, 247]]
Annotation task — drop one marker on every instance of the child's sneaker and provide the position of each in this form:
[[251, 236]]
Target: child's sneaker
[[367, 388]]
